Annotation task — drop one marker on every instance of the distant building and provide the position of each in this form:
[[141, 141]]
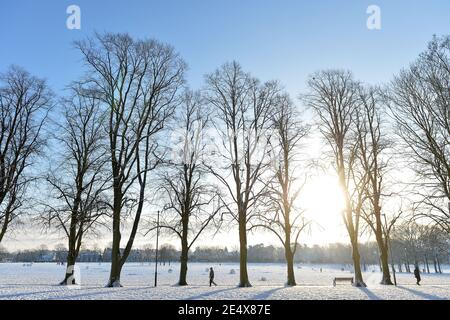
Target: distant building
[[90, 256], [49, 257]]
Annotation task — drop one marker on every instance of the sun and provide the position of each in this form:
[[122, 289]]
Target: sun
[[322, 199], [323, 194]]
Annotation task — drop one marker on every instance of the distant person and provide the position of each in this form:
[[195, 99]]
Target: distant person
[[417, 275], [211, 277]]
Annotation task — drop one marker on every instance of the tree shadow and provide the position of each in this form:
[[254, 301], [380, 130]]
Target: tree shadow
[[208, 294], [66, 293], [370, 294], [25, 294], [266, 294], [103, 290], [422, 294], [80, 295]]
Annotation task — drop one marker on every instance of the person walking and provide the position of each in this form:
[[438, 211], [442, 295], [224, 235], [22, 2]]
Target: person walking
[[211, 277], [417, 275]]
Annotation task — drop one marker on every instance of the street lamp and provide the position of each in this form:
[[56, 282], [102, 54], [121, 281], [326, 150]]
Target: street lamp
[[156, 251]]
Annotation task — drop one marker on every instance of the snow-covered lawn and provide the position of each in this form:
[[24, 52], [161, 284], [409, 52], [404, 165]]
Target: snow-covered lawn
[[39, 281]]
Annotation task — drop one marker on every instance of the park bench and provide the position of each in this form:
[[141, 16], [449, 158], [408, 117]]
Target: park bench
[[342, 279]]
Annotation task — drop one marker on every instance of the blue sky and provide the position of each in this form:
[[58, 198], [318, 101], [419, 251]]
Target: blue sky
[[284, 40]]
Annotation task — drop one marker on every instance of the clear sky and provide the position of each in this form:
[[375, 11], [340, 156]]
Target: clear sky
[[284, 39], [274, 39]]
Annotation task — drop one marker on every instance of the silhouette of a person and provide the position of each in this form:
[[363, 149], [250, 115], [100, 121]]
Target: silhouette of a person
[[211, 277], [417, 275]]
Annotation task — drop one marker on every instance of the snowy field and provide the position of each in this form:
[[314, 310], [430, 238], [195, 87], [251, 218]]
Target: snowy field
[[39, 281]]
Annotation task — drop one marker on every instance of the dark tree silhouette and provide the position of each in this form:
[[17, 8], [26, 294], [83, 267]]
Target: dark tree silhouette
[[24, 105], [420, 102], [242, 108], [283, 216], [138, 82], [191, 202], [373, 145], [79, 180], [334, 96]]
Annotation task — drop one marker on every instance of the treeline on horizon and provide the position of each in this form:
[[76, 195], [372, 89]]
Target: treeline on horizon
[[335, 253], [131, 146]]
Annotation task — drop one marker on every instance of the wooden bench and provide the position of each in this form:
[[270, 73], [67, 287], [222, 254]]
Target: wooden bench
[[340, 279]]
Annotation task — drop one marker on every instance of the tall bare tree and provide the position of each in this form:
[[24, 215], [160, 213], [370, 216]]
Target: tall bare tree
[[334, 96], [373, 159], [243, 108], [283, 217], [24, 104], [420, 99], [138, 82], [191, 201], [79, 180]]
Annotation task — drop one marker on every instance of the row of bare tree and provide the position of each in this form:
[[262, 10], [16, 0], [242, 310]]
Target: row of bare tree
[[414, 243], [130, 136]]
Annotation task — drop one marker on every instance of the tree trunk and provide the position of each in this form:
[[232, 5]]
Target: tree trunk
[[357, 264], [5, 225], [116, 268], [438, 263], [114, 277], [69, 278], [243, 274], [290, 266], [426, 264], [382, 247], [435, 265], [288, 252], [385, 267], [74, 247], [407, 265], [184, 254], [183, 269]]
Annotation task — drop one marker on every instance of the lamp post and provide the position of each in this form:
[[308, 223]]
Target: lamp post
[[156, 251], [390, 250]]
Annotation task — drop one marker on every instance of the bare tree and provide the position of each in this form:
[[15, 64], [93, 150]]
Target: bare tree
[[420, 99], [79, 180], [24, 104], [138, 82], [243, 109], [422, 243], [283, 217], [438, 242], [334, 96], [191, 201], [372, 154]]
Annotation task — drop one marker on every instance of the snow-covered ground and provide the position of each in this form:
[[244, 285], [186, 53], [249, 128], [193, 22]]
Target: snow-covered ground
[[39, 281]]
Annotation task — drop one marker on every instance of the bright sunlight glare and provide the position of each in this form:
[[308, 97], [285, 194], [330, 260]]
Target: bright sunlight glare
[[323, 201]]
